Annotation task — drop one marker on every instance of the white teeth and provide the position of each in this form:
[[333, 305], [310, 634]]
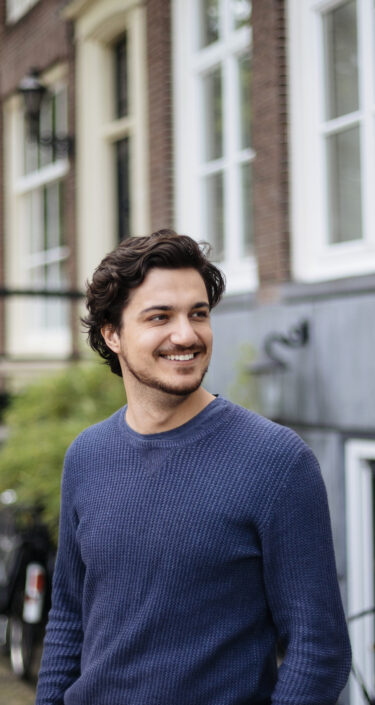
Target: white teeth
[[180, 357]]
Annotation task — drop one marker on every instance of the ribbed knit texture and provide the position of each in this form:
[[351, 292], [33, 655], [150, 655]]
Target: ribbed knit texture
[[182, 555]]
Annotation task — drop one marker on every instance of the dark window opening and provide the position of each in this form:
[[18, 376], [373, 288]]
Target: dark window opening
[[123, 188], [121, 77]]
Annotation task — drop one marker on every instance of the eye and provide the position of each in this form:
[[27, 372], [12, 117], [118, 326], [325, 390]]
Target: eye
[[200, 314], [158, 317]]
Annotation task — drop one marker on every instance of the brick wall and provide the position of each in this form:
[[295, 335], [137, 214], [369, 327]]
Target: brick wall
[[269, 99], [160, 106], [38, 39]]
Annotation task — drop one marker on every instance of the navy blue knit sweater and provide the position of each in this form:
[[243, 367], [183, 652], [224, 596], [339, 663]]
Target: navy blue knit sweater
[[183, 556]]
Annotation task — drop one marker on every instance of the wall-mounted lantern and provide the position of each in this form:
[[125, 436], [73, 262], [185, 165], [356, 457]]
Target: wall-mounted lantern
[[33, 92], [270, 366]]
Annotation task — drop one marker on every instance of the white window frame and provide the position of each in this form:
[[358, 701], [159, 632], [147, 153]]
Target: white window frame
[[360, 554], [189, 66], [313, 258], [97, 26], [15, 9], [23, 339]]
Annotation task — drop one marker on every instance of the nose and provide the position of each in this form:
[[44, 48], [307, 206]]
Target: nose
[[183, 333]]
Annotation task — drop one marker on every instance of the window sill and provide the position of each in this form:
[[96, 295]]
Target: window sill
[[241, 276], [334, 288], [55, 344], [339, 261]]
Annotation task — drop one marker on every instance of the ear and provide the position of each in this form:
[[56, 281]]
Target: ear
[[111, 337]]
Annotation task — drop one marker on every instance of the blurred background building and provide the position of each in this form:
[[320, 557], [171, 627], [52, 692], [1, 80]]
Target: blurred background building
[[248, 124]]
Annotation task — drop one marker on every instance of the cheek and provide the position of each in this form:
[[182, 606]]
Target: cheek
[[147, 342], [208, 336]]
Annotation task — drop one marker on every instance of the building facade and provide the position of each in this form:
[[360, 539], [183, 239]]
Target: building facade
[[248, 124]]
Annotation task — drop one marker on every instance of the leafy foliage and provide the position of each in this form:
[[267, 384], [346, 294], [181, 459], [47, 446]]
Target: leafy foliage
[[43, 420], [244, 390]]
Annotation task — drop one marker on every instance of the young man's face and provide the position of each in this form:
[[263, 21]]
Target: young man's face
[[166, 340]]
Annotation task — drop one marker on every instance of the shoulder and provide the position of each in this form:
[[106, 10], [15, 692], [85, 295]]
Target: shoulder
[[94, 438], [264, 460], [263, 438]]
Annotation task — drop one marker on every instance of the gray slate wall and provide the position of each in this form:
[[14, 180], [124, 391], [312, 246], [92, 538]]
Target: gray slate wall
[[328, 391]]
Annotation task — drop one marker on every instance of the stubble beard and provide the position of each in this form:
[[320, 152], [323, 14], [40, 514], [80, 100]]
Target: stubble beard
[[154, 383]]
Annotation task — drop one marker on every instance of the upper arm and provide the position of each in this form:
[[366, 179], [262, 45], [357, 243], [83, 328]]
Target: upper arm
[[302, 588]]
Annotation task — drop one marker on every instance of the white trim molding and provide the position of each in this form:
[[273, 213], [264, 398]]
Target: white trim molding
[[314, 258], [192, 65], [33, 249], [98, 26], [360, 510], [15, 9]]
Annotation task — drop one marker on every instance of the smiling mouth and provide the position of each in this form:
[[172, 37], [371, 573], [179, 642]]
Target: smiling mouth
[[180, 358]]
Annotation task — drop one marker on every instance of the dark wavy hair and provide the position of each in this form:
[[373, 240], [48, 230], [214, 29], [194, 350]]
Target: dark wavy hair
[[125, 269]]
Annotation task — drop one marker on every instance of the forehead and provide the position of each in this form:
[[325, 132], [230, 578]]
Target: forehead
[[173, 287]]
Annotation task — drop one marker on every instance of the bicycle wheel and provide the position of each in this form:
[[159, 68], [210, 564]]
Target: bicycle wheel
[[21, 642]]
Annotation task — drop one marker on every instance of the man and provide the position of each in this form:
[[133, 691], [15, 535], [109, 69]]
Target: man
[[194, 534]]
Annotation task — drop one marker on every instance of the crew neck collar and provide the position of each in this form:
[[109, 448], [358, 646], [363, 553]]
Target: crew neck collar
[[197, 426]]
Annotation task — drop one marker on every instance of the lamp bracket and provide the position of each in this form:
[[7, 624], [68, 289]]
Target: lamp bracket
[[62, 144], [297, 337], [33, 91]]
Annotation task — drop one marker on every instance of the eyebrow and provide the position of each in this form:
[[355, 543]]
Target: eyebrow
[[162, 307]]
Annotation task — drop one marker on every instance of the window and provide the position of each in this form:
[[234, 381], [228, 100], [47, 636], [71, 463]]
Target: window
[[332, 137], [341, 125], [15, 9], [111, 108], [123, 192], [214, 153], [360, 500], [36, 237], [122, 141], [41, 191]]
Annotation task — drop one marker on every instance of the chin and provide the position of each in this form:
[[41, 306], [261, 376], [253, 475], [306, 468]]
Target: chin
[[181, 388], [179, 391]]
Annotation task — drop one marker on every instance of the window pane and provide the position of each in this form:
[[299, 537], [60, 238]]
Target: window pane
[[46, 123], [44, 220], [53, 121], [245, 75], [341, 60], [55, 310], [214, 191], [35, 201], [62, 235], [344, 186], [213, 118], [35, 305], [247, 209], [241, 12], [121, 77], [123, 188], [209, 21], [30, 152], [61, 112], [52, 207]]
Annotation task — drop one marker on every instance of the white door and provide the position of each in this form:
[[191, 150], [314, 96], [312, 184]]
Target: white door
[[360, 499]]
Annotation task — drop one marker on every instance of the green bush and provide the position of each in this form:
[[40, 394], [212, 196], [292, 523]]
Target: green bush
[[43, 420], [244, 389]]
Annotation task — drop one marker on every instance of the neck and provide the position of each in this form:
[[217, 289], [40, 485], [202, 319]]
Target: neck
[[155, 411]]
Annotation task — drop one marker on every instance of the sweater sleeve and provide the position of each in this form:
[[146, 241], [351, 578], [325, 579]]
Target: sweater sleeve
[[303, 592], [60, 665]]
